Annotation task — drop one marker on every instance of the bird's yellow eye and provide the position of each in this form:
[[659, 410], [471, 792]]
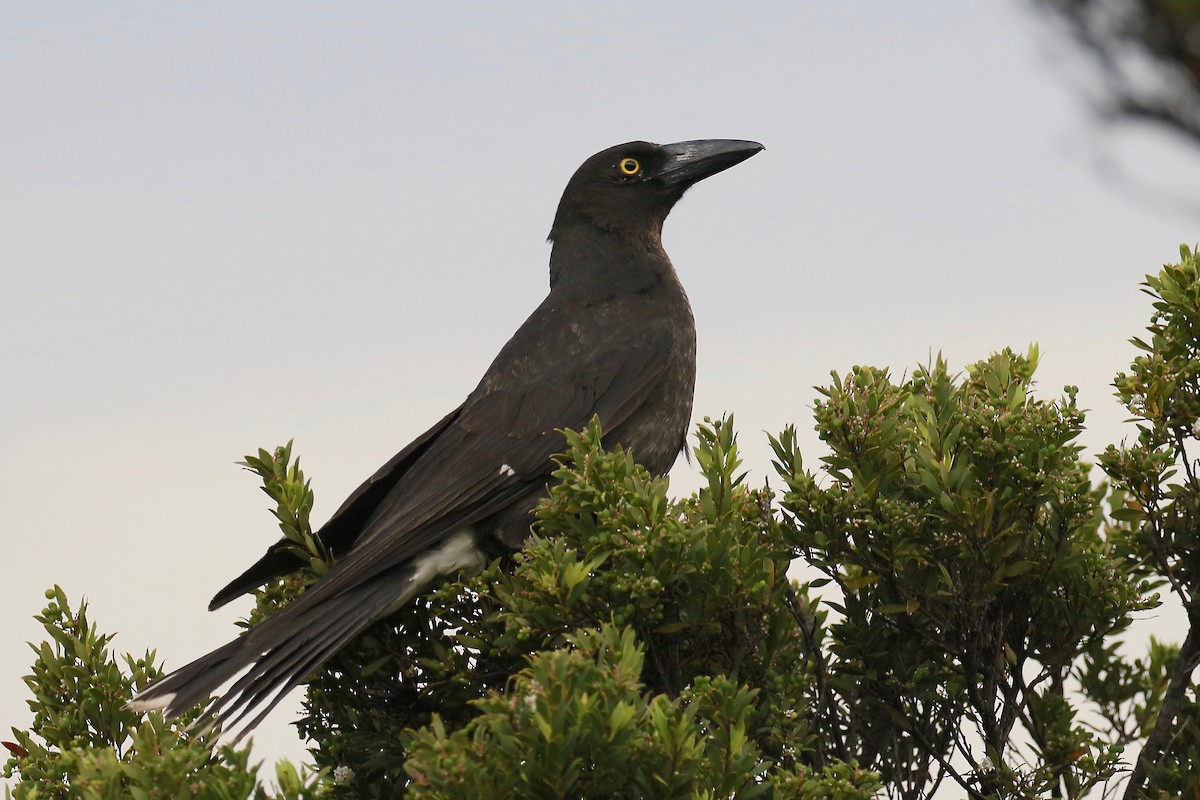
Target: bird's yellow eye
[[629, 166]]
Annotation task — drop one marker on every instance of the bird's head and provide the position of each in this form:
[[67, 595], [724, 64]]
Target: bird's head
[[631, 188]]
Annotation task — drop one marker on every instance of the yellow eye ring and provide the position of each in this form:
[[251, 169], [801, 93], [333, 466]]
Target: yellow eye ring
[[629, 166]]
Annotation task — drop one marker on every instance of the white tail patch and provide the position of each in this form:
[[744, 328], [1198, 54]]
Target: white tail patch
[[142, 706], [457, 553]]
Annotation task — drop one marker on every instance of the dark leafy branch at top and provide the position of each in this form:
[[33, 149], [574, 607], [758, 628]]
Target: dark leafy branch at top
[[1148, 53]]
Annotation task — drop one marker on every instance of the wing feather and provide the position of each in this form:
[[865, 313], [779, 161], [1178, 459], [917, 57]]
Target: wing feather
[[343, 529], [497, 449]]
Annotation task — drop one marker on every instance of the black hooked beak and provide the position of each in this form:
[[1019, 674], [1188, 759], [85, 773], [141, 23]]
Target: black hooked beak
[[689, 162]]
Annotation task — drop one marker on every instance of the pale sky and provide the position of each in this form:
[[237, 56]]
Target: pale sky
[[223, 226]]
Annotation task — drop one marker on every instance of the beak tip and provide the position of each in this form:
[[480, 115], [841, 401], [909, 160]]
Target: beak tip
[[693, 161]]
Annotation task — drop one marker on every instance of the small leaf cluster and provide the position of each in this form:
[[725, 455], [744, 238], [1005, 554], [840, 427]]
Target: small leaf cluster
[[955, 518], [284, 482], [577, 722], [700, 580], [1127, 692], [85, 744]]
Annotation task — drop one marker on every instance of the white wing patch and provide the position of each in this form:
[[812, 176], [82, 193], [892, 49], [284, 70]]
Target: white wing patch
[[507, 471]]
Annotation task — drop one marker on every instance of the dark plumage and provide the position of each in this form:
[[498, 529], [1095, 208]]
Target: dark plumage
[[613, 338]]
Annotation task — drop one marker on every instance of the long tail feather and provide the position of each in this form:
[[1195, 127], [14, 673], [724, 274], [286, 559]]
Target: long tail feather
[[276, 656]]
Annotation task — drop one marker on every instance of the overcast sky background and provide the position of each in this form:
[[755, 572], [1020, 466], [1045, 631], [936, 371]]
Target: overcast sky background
[[224, 226]]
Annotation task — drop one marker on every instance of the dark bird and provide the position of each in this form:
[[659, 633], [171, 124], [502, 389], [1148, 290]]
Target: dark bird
[[614, 338]]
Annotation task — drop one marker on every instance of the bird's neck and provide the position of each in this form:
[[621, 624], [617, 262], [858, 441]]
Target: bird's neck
[[587, 259]]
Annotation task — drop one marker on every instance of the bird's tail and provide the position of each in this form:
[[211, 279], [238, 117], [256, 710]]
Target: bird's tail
[[275, 656]]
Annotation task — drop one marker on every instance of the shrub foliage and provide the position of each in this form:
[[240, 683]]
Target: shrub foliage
[[965, 592]]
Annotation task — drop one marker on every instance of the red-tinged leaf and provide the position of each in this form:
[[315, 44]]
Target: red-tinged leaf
[[16, 749]]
